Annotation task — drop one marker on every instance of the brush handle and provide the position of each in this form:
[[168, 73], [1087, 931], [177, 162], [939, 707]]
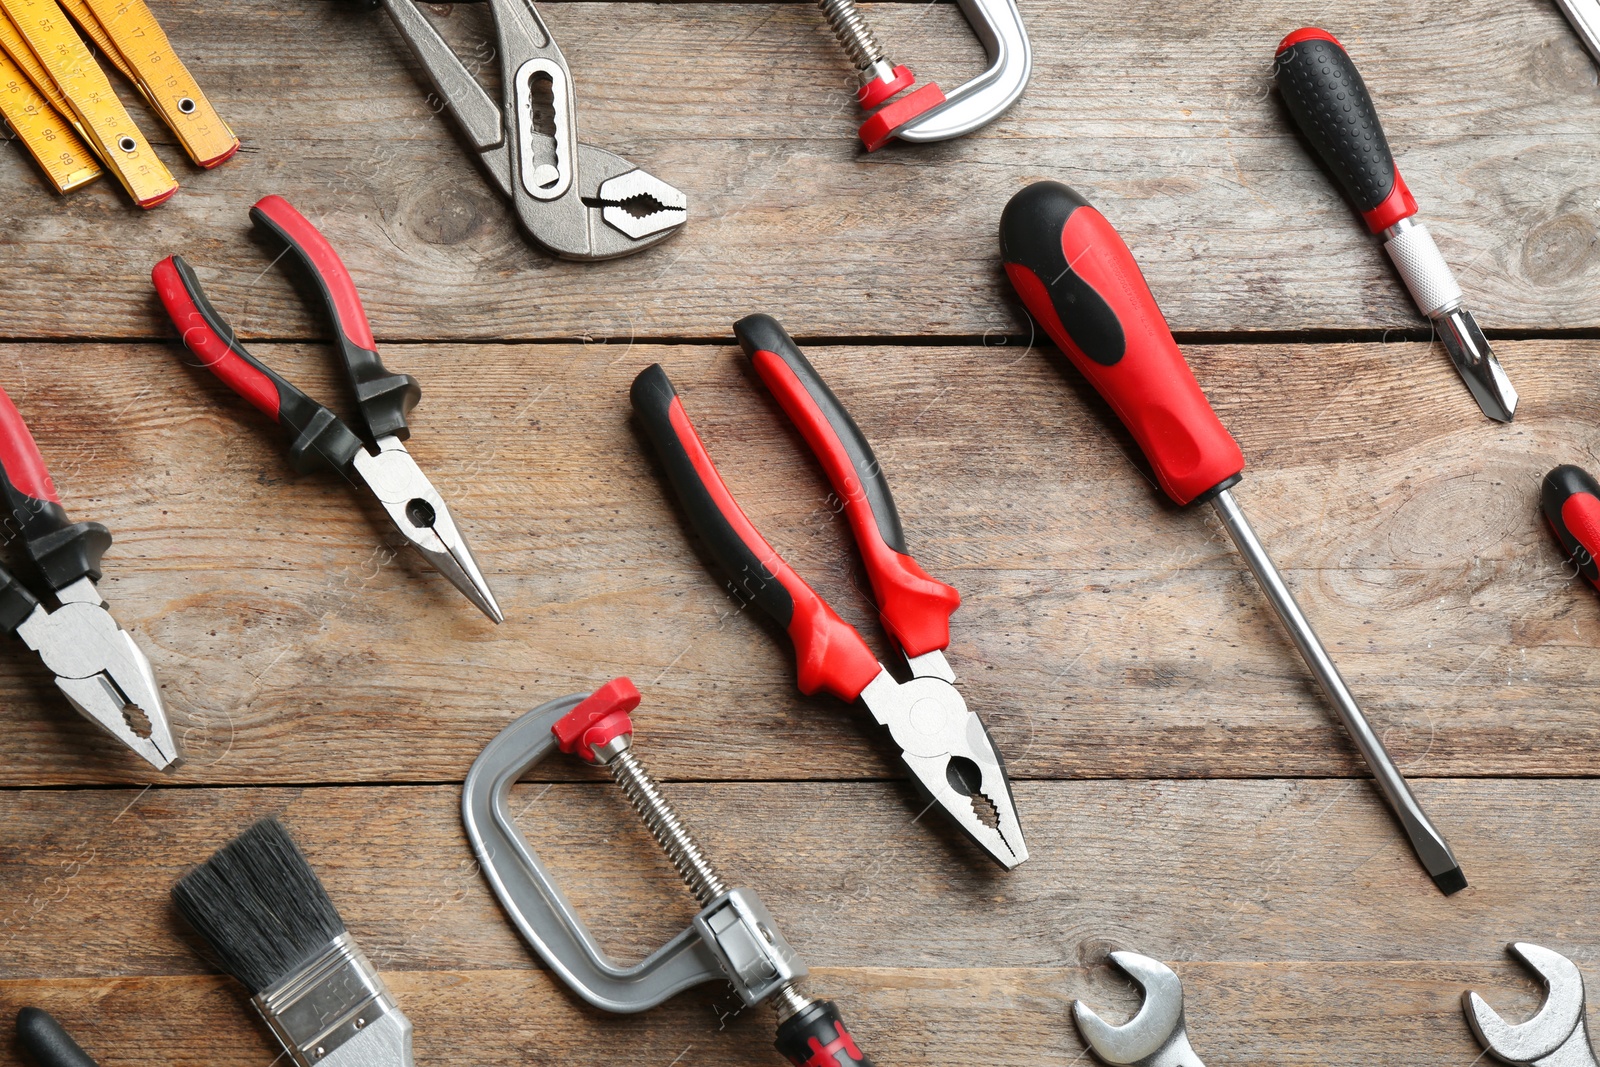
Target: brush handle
[[48, 1042]]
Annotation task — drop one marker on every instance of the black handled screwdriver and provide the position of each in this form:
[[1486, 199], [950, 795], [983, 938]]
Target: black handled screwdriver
[[1324, 92]]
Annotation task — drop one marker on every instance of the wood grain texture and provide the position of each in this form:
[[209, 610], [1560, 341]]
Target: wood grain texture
[[1165, 118], [1287, 906], [1103, 632]]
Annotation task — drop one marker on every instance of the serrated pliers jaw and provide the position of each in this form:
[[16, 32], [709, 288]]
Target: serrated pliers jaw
[[578, 201], [102, 672], [949, 752], [420, 514]]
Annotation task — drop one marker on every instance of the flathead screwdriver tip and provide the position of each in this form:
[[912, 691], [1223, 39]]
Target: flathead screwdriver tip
[[1451, 881]]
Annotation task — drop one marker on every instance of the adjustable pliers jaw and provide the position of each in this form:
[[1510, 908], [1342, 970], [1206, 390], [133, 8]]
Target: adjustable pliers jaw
[[578, 201]]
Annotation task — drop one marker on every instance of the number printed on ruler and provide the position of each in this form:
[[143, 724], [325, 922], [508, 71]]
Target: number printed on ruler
[[43, 131], [164, 80], [105, 123]]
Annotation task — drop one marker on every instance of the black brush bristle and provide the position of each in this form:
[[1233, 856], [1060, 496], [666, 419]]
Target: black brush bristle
[[259, 905]]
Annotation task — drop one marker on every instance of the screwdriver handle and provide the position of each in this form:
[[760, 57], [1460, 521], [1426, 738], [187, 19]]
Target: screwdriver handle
[[64, 551], [916, 608], [1328, 100], [1570, 498], [1079, 281], [815, 1036], [385, 398], [48, 1042], [829, 654], [317, 437]]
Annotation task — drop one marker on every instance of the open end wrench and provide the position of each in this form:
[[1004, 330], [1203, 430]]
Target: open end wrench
[[1157, 1036], [1557, 1035]]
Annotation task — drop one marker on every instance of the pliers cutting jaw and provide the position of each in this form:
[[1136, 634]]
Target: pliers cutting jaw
[[318, 437], [95, 662], [943, 744], [419, 512], [578, 201]]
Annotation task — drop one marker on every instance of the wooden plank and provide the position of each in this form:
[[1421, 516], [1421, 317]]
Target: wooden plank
[[1104, 632], [1230, 870], [1238, 1012], [1293, 910], [1164, 116]]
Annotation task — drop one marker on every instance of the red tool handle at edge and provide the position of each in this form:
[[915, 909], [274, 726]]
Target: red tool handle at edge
[[829, 654], [816, 1036], [1080, 282], [62, 550], [1570, 499], [916, 608]]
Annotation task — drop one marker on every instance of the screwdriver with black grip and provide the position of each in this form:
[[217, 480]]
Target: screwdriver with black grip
[[1324, 93], [1081, 284]]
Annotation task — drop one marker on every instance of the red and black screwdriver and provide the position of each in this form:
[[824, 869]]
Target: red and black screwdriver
[[1080, 282], [1324, 93]]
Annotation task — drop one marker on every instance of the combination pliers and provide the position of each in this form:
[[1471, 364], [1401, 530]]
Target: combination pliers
[[95, 663], [946, 746], [318, 437]]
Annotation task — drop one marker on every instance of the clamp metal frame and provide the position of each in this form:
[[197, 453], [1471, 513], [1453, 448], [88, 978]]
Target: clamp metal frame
[[733, 939]]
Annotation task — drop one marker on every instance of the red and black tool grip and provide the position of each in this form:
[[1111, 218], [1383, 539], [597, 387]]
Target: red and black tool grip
[[63, 551], [1082, 285], [829, 654], [1570, 498], [317, 437], [385, 398], [1324, 93], [48, 1042], [915, 607], [815, 1036]]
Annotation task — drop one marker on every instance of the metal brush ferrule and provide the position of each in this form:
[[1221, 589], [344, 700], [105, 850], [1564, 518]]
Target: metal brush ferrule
[[336, 1012]]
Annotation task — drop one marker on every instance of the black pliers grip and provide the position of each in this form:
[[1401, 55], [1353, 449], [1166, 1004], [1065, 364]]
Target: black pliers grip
[[317, 436], [60, 550]]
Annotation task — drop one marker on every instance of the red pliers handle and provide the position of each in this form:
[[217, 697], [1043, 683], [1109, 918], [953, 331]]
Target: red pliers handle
[[831, 656]]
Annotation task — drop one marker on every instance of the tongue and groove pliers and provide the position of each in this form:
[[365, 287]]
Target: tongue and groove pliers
[[95, 663], [318, 437], [946, 746]]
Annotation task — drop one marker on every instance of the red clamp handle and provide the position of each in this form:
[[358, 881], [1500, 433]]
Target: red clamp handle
[[1570, 499], [916, 608], [829, 654], [1080, 282], [600, 719]]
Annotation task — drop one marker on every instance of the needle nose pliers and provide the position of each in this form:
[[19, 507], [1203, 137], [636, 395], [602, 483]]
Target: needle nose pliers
[[946, 746], [318, 437], [95, 662]]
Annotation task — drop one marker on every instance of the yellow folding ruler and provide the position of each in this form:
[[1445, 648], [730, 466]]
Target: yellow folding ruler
[[91, 102], [35, 119], [131, 38]]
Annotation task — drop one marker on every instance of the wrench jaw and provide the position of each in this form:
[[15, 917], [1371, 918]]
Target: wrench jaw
[[1556, 1035], [1156, 1036]]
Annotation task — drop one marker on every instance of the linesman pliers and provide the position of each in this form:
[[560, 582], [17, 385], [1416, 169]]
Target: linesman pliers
[[95, 662], [946, 746], [318, 437]]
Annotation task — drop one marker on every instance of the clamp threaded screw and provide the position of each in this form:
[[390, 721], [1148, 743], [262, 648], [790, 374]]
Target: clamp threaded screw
[[857, 38], [665, 826], [678, 843]]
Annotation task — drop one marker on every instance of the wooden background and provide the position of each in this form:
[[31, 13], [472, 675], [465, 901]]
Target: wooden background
[[1186, 792]]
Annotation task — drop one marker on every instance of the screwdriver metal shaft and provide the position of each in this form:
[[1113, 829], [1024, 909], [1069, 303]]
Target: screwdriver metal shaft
[[1429, 843]]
